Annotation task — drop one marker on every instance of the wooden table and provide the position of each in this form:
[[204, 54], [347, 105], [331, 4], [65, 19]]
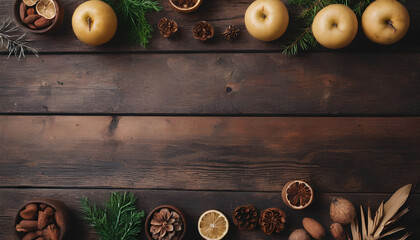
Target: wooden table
[[208, 125]]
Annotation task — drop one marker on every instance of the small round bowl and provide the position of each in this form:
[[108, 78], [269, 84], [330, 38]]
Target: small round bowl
[[60, 210], [150, 216], [55, 25], [185, 10]]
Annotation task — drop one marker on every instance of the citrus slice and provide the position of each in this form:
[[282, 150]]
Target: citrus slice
[[46, 8], [297, 194], [213, 225], [30, 3]]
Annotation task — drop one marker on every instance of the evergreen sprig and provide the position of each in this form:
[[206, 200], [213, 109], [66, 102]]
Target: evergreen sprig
[[132, 18], [15, 44], [118, 220]]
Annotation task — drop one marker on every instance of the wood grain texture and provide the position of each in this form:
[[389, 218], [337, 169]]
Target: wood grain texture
[[220, 13], [253, 83], [193, 204], [209, 153]]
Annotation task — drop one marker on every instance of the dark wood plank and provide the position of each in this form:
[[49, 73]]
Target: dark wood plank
[[193, 204], [213, 153], [258, 83], [220, 13]]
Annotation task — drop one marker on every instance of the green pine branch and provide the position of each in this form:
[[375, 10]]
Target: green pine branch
[[132, 18], [118, 220]]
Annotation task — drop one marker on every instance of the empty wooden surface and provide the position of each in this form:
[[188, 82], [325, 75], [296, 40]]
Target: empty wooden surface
[[257, 83], [208, 125]]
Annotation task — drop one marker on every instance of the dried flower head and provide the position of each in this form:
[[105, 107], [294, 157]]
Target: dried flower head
[[167, 27], [245, 217], [203, 31], [165, 224], [272, 220], [231, 33]]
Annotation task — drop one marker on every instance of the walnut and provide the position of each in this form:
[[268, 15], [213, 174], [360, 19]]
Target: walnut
[[245, 217], [167, 27], [203, 31], [272, 220]]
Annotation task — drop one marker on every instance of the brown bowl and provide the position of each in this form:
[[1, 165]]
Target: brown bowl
[[55, 25], [150, 216], [185, 10], [60, 210]]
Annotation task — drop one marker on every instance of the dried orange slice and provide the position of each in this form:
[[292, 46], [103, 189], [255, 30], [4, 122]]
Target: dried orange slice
[[46, 8], [213, 225], [30, 3], [297, 194]]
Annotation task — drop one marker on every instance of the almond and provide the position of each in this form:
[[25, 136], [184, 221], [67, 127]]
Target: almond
[[42, 206], [48, 210], [22, 11], [314, 228], [43, 220], [30, 236], [337, 231], [41, 23], [31, 18], [30, 11], [59, 219], [31, 26], [26, 226], [29, 212], [54, 232]]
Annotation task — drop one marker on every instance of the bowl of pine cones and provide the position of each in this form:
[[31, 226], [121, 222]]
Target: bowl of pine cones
[[165, 222]]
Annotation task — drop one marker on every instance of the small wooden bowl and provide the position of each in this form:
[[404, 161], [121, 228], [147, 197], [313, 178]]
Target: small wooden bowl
[[60, 209], [172, 208], [185, 10], [55, 25]]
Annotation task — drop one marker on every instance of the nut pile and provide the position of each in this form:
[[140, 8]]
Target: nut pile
[[37, 16], [39, 221], [185, 3]]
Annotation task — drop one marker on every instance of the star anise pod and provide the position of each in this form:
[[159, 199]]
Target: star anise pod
[[167, 27], [272, 220], [165, 224], [231, 33], [245, 217], [203, 31]]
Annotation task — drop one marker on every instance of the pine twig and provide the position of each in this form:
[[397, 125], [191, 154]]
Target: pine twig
[[15, 44], [304, 41]]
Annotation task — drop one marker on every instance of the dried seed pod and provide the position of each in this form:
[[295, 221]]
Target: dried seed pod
[[314, 228], [203, 31], [272, 220], [167, 27], [231, 33], [245, 217], [30, 210], [337, 231], [342, 211]]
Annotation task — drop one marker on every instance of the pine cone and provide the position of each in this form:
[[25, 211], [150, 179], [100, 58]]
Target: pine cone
[[167, 27], [231, 33], [203, 31], [245, 217], [272, 220], [165, 224]]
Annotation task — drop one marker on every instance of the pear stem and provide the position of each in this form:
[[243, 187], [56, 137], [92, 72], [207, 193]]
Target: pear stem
[[90, 23], [389, 22]]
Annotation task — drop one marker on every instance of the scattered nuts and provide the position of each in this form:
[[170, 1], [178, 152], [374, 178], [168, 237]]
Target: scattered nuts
[[342, 211], [299, 234], [314, 228], [337, 231], [30, 210]]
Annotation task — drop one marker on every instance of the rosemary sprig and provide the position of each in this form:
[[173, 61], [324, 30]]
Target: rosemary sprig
[[132, 18], [15, 44], [119, 219]]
